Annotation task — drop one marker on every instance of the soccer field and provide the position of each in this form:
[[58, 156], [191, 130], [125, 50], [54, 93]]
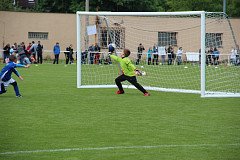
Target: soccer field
[[55, 120]]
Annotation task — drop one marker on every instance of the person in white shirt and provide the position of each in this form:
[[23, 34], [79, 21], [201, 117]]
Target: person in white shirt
[[179, 56], [12, 50], [233, 56]]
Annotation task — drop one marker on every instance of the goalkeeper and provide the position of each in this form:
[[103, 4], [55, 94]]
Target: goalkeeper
[[129, 72]]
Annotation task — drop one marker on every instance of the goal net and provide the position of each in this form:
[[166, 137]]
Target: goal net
[[189, 52]]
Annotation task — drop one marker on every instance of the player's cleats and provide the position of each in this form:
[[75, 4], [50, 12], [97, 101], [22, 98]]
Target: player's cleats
[[19, 96], [119, 92], [146, 94]]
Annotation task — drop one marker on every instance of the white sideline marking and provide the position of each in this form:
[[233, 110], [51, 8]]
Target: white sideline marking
[[118, 147]]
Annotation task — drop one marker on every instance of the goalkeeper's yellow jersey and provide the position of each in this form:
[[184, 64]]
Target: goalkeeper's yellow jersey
[[127, 67]]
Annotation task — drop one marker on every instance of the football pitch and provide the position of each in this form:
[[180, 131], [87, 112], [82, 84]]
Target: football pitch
[[55, 120]]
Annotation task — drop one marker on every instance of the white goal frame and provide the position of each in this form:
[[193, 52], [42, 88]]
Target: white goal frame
[[203, 47]]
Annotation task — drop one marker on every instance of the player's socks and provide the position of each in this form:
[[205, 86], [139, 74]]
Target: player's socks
[[15, 86]]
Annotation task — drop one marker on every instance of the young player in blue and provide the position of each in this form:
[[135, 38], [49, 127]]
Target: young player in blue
[[6, 73]]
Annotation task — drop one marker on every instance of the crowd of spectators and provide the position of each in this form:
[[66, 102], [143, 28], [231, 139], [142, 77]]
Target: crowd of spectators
[[153, 55], [212, 55], [33, 54], [25, 54]]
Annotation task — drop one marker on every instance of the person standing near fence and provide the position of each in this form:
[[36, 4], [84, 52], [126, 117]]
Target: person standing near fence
[[139, 54], [170, 54], [39, 52], [69, 54], [6, 52], [215, 56], [155, 54], [56, 51], [179, 56], [33, 51]]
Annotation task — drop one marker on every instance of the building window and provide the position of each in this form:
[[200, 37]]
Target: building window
[[214, 40], [118, 35], [166, 38], [38, 35], [31, 1]]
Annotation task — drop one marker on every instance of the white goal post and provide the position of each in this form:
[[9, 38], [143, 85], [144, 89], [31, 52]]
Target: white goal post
[[91, 74]]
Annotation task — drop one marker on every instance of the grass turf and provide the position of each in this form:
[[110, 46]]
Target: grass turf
[[53, 114]]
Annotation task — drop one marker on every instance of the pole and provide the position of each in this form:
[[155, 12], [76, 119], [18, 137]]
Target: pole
[[224, 6], [203, 55], [87, 24], [79, 54]]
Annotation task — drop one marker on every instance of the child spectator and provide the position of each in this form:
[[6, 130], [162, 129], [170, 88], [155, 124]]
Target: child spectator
[[215, 56], [170, 54], [149, 55], [97, 49], [155, 54], [12, 50], [179, 56]]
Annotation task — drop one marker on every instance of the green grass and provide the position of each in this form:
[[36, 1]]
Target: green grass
[[53, 114]]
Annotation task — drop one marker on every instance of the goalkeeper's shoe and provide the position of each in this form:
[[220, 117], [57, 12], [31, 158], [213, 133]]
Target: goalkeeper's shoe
[[120, 92], [146, 94]]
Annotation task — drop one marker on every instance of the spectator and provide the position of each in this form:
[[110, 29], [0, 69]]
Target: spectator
[[69, 54], [33, 50], [23, 45], [139, 53], [91, 50], [21, 52], [163, 55], [179, 56], [209, 56], [15, 46], [237, 56], [84, 56], [28, 53], [56, 51], [6, 52], [170, 54], [215, 56], [97, 49], [155, 54], [149, 55], [12, 50], [39, 52], [233, 56]]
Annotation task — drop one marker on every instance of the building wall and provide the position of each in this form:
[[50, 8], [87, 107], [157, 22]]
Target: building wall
[[14, 27], [61, 28]]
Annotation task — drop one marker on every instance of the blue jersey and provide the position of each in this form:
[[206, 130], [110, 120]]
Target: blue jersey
[[6, 72]]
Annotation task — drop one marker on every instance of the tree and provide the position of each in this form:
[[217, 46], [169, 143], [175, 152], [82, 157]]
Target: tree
[[7, 5], [71, 6]]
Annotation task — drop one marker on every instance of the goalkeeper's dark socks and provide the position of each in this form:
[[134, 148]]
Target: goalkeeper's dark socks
[[120, 92]]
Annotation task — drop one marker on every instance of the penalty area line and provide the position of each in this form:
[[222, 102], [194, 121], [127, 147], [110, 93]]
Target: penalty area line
[[117, 147]]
